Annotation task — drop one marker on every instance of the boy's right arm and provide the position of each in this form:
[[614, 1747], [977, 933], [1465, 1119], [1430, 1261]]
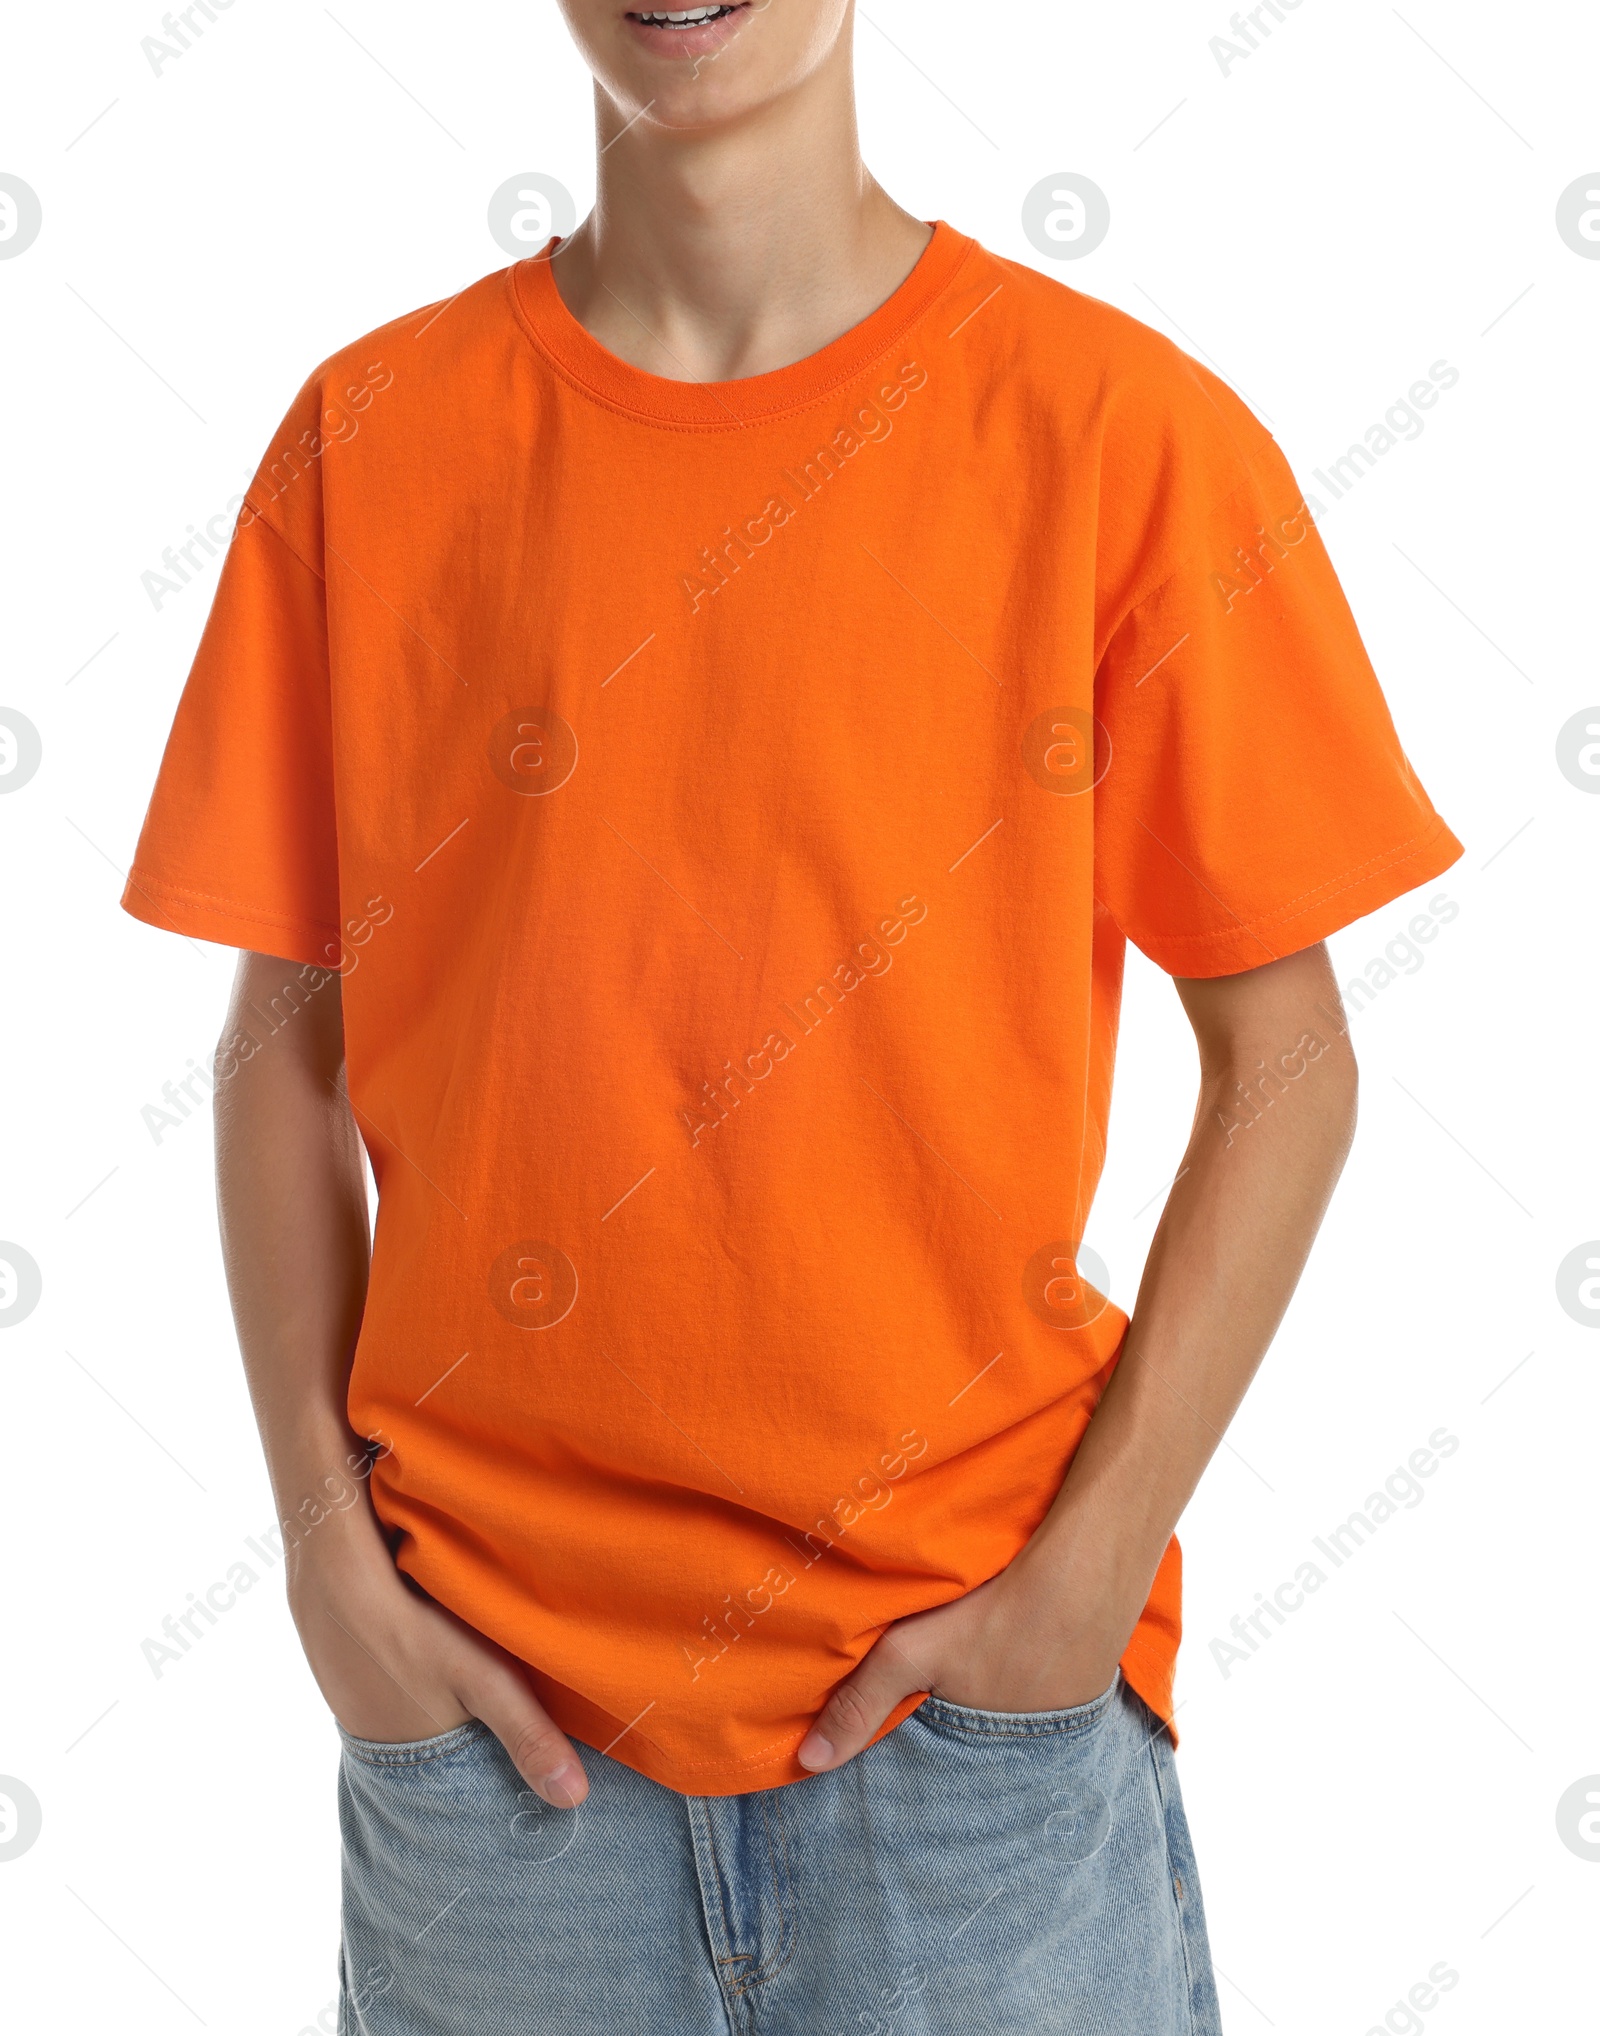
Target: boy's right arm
[[292, 1205]]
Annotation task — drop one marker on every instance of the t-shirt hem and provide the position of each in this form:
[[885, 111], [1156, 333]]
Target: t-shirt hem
[[1312, 916], [584, 1721], [1149, 1675], [173, 909]]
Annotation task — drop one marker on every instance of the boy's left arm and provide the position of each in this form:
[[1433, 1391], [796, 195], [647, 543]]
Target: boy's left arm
[[1048, 1631]]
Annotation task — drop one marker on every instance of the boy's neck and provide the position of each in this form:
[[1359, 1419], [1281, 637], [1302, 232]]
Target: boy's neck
[[717, 253]]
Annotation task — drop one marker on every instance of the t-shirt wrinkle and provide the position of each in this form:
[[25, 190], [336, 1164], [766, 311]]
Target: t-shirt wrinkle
[[1183, 565], [260, 516]]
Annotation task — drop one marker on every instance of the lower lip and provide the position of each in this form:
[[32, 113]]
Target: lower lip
[[704, 41]]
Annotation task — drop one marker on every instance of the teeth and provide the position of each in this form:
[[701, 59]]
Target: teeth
[[689, 17]]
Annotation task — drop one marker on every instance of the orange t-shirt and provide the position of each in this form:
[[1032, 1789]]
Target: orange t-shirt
[[726, 805]]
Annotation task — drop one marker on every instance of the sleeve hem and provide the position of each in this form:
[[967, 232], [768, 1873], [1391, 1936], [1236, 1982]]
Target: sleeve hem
[[1311, 917], [175, 910]]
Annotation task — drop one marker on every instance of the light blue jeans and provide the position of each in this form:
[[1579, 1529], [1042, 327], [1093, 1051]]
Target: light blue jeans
[[973, 1872]]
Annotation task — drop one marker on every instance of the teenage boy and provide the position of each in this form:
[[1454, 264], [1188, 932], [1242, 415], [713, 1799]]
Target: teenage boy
[[685, 731]]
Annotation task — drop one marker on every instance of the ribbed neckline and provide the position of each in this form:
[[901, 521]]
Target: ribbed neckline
[[723, 406]]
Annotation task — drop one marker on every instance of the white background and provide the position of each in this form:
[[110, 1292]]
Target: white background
[[1375, 1789]]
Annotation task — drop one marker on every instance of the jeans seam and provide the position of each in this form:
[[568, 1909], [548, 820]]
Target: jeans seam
[[1172, 1887], [745, 1982], [697, 1811], [422, 1751], [959, 1729], [1040, 1732], [729, 1957], [970, 1723], [786, 1931]]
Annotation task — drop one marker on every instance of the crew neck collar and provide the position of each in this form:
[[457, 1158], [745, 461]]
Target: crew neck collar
[[725, 405]]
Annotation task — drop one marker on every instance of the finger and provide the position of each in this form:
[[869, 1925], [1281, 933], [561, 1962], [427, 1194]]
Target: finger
[[540, 1751], [859, 1706]]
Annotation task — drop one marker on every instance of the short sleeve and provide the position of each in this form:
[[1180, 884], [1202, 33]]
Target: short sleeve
[[239, 844], [1256, 797]]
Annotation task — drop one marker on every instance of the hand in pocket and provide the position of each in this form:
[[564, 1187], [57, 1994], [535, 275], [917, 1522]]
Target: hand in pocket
[[396, 1667]]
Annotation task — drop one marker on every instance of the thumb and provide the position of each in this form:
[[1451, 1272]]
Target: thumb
[[540, 1751], [859, 1706]]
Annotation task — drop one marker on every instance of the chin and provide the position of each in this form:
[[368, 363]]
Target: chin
[[714, 69]]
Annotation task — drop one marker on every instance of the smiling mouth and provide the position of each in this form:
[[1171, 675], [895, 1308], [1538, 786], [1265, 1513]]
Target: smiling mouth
[[683, 19]]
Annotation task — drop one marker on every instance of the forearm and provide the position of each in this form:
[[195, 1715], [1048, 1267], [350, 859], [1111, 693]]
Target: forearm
[[1049, 1629], [292, 1201], [1238, 1225], [292, 1210]]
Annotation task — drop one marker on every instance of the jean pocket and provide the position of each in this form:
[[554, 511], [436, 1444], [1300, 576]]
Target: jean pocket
[[412, 1752], [962, 1721]]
